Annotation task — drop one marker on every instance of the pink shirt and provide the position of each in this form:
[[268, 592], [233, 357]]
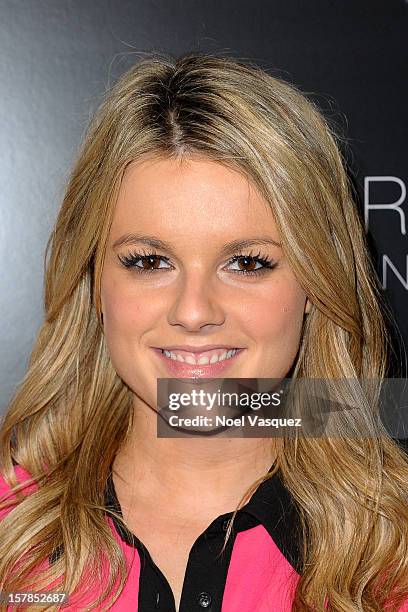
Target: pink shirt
[[258, 573]]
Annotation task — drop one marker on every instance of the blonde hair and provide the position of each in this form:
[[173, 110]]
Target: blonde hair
[[72, 412]]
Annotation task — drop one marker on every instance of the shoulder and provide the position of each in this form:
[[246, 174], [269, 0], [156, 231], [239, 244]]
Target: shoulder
[[5, 489]]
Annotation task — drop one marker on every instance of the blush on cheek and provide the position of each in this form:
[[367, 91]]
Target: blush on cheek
[[121, 308], [122, 345], [284, 328], [132, 314], [292, 320]]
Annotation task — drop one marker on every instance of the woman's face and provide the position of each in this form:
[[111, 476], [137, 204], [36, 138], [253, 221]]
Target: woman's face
[[204, 274]]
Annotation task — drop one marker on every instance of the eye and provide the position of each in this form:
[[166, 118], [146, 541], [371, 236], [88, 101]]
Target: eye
[[144, 262], [252, 264], [249, 265]]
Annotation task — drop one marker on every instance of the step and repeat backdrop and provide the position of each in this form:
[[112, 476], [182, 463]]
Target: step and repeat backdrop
[[58, 58]]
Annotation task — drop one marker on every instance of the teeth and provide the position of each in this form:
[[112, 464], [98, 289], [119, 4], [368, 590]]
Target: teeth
[[204, 360]]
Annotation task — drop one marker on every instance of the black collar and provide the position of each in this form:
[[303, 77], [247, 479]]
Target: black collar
[[272, 505]]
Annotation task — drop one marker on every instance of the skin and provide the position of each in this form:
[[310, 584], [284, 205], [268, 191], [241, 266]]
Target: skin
[[198, 206]]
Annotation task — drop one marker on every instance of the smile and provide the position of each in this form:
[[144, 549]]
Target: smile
[[204, 358], [198, 363]]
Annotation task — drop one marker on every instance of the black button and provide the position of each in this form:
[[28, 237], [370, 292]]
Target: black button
[[157, 600], [225, 525], [204, 599]]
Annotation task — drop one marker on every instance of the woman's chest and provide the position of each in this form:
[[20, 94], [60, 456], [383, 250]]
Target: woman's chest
[[171, 557], [169, 545]]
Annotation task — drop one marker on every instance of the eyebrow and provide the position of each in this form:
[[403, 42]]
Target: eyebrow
[[157, 243]]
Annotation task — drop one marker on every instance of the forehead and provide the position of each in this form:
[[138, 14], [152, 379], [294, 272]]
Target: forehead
[[193, 195]]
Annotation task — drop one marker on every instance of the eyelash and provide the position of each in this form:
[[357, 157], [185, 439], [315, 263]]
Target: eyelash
[[130, 260]]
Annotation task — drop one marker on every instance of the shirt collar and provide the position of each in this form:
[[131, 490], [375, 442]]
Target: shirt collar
[[274, 507]]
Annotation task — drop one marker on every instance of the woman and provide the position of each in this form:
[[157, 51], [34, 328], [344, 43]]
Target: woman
[[208, 211]]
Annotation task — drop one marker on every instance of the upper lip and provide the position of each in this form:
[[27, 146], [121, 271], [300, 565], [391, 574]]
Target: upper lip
[[197, 349]]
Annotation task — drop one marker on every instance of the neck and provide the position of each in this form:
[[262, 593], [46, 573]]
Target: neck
[[196, 471]]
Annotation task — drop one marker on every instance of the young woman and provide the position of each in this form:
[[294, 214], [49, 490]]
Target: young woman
[[208, 229]]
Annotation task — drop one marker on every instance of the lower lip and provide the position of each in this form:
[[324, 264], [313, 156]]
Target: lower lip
[[188, 370]]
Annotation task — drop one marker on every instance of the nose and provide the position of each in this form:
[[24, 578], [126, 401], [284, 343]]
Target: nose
[[196, 304]]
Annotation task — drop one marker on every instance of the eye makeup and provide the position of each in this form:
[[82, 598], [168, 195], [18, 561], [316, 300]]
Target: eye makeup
[[152, 258]]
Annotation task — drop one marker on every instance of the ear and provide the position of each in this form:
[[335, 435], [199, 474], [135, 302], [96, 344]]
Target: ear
[[308, 306]]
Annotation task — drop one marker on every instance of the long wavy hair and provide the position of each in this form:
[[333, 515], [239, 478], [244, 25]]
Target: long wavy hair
[[71, 412]]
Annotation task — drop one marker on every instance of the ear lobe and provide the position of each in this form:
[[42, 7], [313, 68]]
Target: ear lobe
[[308, 306]]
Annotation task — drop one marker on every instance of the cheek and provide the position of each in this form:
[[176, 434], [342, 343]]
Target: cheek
[[275, 319], [276, 327], [125, 320], [124, 309]]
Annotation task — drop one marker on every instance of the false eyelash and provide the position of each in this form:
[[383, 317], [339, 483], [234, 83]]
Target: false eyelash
[[130, 260], [268, 263]]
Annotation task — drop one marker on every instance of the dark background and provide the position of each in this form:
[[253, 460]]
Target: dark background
[[58, 57]]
